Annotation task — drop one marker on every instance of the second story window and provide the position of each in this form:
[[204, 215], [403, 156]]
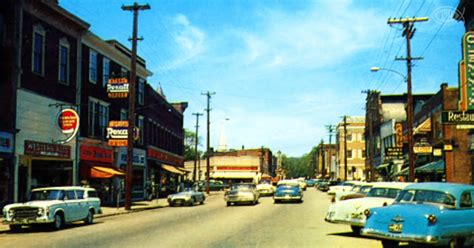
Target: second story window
[[349, 154], [92, 66], [141, 127], [37, 65], [141, 91], [63, 61], [105, 71], [98, 118]]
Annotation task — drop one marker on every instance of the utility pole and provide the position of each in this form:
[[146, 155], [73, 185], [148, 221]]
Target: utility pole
[[321, 155], [345, 148], [208, 150], [330, 129], [131, 103], [408, 32], [196, 155]]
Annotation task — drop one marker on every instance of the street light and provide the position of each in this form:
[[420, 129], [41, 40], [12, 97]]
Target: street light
[[409, 110]]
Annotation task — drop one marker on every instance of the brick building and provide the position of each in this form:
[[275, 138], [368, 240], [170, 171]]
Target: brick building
[[355, 142]]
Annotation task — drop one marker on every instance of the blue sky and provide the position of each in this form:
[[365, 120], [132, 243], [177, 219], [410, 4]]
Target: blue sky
[[281, 69]]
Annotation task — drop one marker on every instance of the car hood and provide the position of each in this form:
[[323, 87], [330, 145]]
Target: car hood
[[33, 204], [360, 204]]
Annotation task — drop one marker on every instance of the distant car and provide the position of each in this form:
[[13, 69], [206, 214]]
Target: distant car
[[302, 182], [188, 197], [324, 186], [265, 189], [288, 191], [351, 212], [214, 185], [435, 214], [311, 182], [242, 193], [343, 186], [358, 191], [55, 206]]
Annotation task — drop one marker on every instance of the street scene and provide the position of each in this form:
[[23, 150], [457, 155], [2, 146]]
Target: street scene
[[233, 123]]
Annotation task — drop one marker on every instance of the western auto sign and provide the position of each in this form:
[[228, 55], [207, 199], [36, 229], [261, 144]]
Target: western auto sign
[[35, 148], [118, 87], [117, 133], [68, 123], [466, 92]]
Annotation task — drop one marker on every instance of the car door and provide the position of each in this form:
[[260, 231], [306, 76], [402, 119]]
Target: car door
[[71, 208], [83, 208]]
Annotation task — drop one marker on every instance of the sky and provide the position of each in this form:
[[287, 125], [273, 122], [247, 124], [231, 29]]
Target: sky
[[281, 70]]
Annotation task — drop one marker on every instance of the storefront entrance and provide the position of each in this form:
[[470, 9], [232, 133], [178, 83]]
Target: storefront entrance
[[46, 173]]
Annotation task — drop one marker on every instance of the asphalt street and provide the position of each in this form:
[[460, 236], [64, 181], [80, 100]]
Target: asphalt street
[[210, 225]]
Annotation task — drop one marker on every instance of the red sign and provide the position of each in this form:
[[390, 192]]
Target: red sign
[[97, 154], [46, 149], [164, 157], [68, 121]]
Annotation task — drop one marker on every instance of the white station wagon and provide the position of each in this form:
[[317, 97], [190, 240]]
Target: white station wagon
[[55, 206]]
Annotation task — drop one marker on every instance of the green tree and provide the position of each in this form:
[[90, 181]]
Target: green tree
[[189, 144]]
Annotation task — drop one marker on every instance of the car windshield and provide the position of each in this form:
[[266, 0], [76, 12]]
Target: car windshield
[[46, 195], [383, 192], [426, 196], [365, 189], [356, 188]]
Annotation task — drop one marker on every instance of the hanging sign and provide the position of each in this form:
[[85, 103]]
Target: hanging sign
[[68, 123], [117, 87], [117, 133], [467, 90]]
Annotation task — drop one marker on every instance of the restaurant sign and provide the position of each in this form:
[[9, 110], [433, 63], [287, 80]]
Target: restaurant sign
[[117, 87], [457, 117]]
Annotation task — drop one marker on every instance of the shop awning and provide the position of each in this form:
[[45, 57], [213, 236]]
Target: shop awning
[[105, 172], [433, 167], [382, 166], [172, 169], [233, 175]]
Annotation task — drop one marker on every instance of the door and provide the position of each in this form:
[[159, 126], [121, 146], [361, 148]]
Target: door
[[71, 207], [83, 208]]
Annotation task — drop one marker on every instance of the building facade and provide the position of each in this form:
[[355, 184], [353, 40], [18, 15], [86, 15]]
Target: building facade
[[353, 137]]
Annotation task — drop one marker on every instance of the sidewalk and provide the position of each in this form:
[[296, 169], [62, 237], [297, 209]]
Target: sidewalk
[[111, 211]]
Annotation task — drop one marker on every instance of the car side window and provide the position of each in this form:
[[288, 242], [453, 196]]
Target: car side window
[[70, 195], [80, 194], [466, 201], [91, 193]]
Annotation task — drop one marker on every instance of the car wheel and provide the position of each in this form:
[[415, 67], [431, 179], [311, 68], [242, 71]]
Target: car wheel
[[90, 217], [390, 243], [192, 202], [15, 228], [228, 204], [58, 221], [356, 229], [276, 201]]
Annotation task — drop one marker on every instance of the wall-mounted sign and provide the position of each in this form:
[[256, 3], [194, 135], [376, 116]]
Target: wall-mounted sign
[[457, 117], [68, 123], [35, 148], [422, 149], [394, 152], [462, 86], [161, 156], [468, 55], [96, 154], [117, 88], [117, 133], [437, 152], [6, 142], [448, 147]]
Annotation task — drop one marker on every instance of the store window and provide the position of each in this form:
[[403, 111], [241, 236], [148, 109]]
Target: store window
[[39, 37]]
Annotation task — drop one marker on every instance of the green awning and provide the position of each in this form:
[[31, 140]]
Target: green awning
[[382, 166], [433, 167]]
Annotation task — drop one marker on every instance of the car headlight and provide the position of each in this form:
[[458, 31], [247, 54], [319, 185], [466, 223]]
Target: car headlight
[[40, 211], [11, 212]]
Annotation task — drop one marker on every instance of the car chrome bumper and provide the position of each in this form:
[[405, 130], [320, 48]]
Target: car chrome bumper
[[27, 221], [370, 232], [240, 199], [287, 197]]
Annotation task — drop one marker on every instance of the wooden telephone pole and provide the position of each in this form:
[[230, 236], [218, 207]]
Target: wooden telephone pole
[[131, 103], [196, 141], [208, 150]]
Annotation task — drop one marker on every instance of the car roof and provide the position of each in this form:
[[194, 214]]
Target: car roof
[[395, 185], [64, 188], [451, 188]]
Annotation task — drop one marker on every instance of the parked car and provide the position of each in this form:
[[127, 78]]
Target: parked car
[[265, 188], [302, 183], [188, 197], [242, 193], [351, 212], [288, 190], [55, 206], [437, 214], [343, 186], [311, 182], [214, 185], [359, 190], [324, 186]]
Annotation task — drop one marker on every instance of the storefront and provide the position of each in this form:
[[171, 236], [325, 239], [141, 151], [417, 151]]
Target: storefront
[[165, 171], [44, 165], [6, 168], [98, 171], [139, 171]]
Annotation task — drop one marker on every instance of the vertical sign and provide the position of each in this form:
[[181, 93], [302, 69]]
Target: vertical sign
[[462, 86], [399, 134], [468, 54]]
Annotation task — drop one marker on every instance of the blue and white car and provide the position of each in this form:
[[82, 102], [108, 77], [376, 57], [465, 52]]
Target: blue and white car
[[437, 214], [288, 190]]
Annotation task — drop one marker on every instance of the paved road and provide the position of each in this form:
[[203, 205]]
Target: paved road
[[209, 225]]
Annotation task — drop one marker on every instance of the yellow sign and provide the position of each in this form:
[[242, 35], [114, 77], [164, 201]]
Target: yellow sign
[[448, 147], [422, 149], [399, 134]]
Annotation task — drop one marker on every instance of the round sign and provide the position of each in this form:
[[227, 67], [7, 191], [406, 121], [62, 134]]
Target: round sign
[[68, 121]]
